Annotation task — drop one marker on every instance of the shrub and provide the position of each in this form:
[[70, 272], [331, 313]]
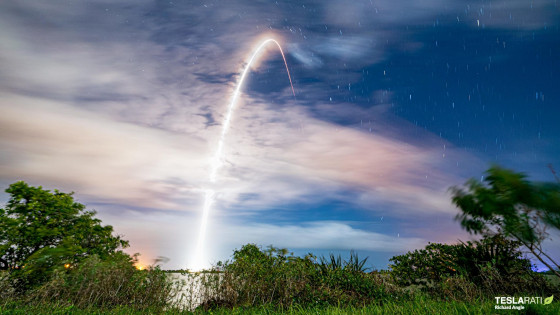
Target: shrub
[[106, 284], [256, 277], [272, 277], [493, 265], [493, 282], [458, 288]]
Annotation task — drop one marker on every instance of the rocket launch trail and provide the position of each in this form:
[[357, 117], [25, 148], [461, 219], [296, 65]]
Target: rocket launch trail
[[216, 160]]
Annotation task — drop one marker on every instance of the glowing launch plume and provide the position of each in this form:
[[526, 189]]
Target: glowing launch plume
[[216, 161]]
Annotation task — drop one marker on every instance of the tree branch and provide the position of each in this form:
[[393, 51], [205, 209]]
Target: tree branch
[[530, 247]]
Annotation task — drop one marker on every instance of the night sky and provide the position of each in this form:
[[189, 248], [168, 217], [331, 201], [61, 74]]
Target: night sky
[[123, 102]]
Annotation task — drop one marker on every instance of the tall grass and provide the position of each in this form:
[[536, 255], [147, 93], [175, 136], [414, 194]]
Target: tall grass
[[100, 284]]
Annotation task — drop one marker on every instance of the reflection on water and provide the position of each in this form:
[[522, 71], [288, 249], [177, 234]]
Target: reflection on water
[[192, 289]]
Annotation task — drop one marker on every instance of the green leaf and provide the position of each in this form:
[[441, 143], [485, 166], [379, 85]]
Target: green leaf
[[43, 230], [548, 300]]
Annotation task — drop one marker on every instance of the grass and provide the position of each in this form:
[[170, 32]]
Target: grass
[[554, 280], [417, 306]]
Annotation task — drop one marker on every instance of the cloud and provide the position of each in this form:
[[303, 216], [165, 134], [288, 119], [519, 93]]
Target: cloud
[[307, 58], [317, 235], [275, 156], [100, 158], [354, 51], [170, 235], [124, 103], [279, 155]]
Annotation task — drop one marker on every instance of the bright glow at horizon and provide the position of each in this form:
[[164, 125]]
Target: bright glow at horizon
[[216, 161]]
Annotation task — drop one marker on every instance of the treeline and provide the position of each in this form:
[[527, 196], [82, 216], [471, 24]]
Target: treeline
[[466, 272], [55, 255]]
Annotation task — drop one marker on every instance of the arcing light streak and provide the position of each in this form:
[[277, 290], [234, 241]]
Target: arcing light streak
[[216, 161]]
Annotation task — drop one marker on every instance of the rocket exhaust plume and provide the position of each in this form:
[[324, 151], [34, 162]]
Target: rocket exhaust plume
[[216, 161]]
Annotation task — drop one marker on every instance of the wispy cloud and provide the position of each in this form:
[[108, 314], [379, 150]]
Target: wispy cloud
[[318, 235], [100, 158]]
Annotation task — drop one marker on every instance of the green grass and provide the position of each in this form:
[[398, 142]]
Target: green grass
[[416, 307], [553, 279], [420, 305], [58, 309]]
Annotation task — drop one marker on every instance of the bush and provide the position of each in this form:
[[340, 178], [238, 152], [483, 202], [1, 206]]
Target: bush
[[494, 265], [104, 284], [458, 288], [493, 282], [271, 277], [255, 277]]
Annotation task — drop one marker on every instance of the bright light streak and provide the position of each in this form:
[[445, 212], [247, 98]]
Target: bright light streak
[[216, 161]]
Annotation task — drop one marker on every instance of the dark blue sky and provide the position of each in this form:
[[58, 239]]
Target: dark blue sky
[[396, 101]]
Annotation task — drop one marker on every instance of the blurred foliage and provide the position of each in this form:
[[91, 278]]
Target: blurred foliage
[[507, 203]]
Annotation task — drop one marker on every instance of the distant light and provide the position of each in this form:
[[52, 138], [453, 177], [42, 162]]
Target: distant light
[[66, 266]]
